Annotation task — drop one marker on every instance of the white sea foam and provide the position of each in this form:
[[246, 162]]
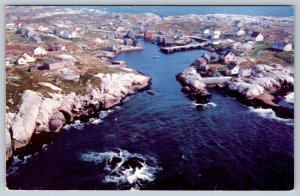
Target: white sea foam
[[76, 124], [206, 105], [134, 176], [16, 163], [210, 104], [270, 114]]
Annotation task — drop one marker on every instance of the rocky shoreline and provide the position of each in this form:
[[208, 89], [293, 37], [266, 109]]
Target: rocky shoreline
[[268, 86], [43, 117], [190, 80]]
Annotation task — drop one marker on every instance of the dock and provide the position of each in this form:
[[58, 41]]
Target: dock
[[215, 80], [181, 48]]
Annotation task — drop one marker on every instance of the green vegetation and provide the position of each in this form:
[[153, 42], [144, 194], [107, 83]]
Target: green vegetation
[[259, 48], [48, 39], [288, 57], [19, 80]]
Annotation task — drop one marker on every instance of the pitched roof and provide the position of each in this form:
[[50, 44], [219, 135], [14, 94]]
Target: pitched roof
[[201, 60], [280, 44], [206, 56], [27, 54], [255, 34], [231, 66]]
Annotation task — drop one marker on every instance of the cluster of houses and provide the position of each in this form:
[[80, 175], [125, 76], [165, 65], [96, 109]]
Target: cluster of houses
[[65, 33], [52, 63], [229, 58], [30, 34]]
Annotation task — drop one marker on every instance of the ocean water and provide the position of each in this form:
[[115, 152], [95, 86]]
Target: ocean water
[[223, 145], [278, 11]]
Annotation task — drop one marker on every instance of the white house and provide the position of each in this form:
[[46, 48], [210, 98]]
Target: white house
[[256, 36], [281, 45], [229, 57], [120, 29], [68, 34], [240, 32], [28, 57], [42, 28], [40, 51], [245, 72], [21, 61], [216, 42], [232, 69], [216, 34], [206, 31]]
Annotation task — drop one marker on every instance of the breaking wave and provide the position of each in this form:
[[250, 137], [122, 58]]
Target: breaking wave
[[206, 105], [76, 124], [16, 163], [270, 114], [124, 168], [103, 114], [210, 104]]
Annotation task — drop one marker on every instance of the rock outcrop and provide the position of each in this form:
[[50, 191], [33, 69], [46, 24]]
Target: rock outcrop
[[263, 79], [38, 114], [263, 87], [191, 82], [24, 123]]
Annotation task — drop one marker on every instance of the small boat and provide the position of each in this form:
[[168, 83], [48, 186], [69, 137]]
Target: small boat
[[155, 57]]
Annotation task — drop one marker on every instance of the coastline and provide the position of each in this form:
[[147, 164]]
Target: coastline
[[28, 129]]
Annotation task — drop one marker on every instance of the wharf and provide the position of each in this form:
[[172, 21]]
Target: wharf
[[181, 48]]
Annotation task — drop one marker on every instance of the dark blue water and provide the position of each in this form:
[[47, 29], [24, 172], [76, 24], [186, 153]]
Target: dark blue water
[[225, 145], [279, 11]]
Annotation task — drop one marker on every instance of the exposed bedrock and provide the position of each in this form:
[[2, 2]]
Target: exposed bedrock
[[192, 85], [40, 115]]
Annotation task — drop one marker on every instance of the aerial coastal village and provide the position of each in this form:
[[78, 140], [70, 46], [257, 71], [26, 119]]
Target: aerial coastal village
[[60, 63]]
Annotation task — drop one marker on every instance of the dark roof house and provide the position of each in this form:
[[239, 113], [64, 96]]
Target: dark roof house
[[35, 39], [207, 57]]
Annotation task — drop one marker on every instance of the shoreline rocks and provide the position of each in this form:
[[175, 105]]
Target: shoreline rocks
[[263, 87], [39, 115], [190, 80]]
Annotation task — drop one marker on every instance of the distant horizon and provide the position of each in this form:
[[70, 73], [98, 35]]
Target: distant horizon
[[164, 11]]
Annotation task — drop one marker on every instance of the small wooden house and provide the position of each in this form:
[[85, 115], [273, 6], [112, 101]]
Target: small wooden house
[[40, 51], [229, 57], [57, 47], [167, 41], [148, 35], [33, 68], [207, 57], [128, 42], [111, 48], [232, 69], [35, 39], [245, 72], [28, 57], [256, 36], [282, 46], [240, 32], [21, 61], [51, 64]]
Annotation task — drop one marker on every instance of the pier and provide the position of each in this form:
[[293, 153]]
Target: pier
[[215, 80], [181, 48]]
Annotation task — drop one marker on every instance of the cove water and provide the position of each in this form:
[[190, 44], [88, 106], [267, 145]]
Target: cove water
[[223, 145]]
